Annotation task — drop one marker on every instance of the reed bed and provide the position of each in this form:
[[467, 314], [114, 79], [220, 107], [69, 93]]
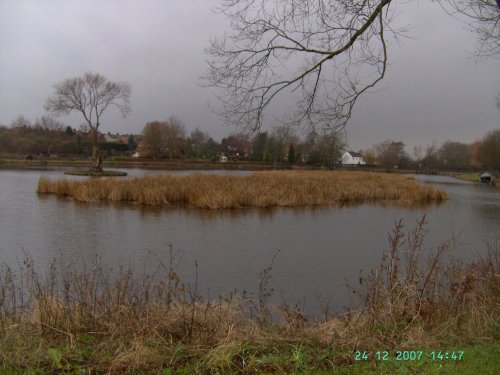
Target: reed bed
[[260, 189]]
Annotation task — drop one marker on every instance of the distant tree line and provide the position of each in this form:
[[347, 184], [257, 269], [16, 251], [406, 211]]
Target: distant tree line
[[451, 156], [168, 139], [46, 136], [43, 136]]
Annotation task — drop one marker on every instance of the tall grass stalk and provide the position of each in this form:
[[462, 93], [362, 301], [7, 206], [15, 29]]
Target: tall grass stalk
[[417, 296], [261, 189]]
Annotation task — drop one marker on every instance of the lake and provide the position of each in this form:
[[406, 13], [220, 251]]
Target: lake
[[318, 249]]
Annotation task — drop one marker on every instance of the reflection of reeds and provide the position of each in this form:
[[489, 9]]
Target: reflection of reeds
[[261, 189]]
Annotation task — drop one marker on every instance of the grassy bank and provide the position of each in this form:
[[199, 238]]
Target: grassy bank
[[69, 321], [473, 177], [95, 173], [261, 189]]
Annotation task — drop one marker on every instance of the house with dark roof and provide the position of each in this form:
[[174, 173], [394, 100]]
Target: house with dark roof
[[352, 158], [487, 176]]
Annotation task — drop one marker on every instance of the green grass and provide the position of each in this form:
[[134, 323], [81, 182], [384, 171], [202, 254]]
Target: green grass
[[95, 173], [468, 176], [474, 177], [255, 358]]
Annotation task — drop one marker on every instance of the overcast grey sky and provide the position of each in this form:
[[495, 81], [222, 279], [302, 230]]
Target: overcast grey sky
[[434, 90]]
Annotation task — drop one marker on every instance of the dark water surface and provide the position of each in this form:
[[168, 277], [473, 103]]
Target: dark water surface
[[319, 248]]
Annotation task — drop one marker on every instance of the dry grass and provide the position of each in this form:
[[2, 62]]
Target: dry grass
[[261, 189]]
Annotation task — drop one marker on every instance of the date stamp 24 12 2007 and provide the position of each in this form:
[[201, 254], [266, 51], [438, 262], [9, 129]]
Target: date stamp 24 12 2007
[[410, 355]]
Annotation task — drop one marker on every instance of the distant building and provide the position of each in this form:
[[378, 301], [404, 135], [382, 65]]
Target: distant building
[[111, 138], [123, 138], [352, 158], [487, 176]]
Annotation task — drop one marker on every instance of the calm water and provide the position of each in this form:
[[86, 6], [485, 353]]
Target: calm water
[[319, 248]]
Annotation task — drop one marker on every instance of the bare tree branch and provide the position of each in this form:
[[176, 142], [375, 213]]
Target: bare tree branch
[[483, 18], [325, 53]]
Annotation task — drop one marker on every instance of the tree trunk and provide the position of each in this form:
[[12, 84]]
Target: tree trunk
[[96, 155]]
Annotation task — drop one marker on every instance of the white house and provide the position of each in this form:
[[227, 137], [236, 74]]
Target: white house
[[352, 158], [110, 138]]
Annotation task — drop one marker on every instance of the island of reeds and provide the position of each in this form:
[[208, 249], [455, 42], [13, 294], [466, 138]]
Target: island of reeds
[[260, 189]]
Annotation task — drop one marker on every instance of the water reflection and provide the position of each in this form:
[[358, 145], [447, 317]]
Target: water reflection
[[261, 213]]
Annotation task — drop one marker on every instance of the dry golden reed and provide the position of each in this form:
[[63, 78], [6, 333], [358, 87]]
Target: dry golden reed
[[260, 189]]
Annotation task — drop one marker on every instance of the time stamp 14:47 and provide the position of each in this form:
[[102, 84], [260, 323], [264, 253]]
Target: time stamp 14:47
[[409, 355]]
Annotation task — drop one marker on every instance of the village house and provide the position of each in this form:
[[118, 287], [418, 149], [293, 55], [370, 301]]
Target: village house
[[110, 138], [352, 158]]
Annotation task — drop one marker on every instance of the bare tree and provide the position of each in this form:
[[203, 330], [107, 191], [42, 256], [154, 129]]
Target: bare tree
[[282, 138], [324, 148], [163, 138], [489, 150], [483, 18], [198, 139], [176, 134], [21, 122], [285, 134], [330, 147], [369, 155], [91, 95], [48, 123], [417, 155], [430, 161], [454, 156], [327, 53], [153, 140], [391, 154]]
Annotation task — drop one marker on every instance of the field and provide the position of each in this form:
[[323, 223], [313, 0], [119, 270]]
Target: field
[[261, 189]]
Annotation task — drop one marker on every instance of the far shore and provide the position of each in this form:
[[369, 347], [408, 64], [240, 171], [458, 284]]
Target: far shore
[[201, 164], [207, 165], [167, 164]]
